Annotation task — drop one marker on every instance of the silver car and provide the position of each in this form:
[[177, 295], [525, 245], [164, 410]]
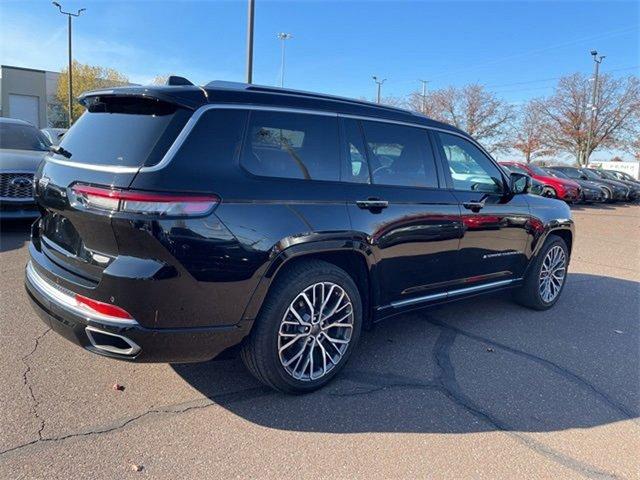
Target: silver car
[[54, 135], [22, 148]]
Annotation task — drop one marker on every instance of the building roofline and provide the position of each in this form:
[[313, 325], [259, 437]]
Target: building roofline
[[28, 69]]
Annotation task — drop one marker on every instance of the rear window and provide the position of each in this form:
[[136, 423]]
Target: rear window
[[22, 137], [121, 131]]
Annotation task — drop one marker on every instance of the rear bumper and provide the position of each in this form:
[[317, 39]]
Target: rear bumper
[[175, 345]]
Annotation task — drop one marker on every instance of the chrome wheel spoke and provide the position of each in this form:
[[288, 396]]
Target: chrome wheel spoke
[[303, 342], [552, 273]]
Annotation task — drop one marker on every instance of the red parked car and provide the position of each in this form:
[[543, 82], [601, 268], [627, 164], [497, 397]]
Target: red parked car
[[564, 189]]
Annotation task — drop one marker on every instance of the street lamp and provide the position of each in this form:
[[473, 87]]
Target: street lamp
[[284, 37], [69, 15], [594, 96], [379, 82]]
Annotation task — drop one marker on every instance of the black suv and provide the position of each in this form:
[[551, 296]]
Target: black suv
[[180, 221]]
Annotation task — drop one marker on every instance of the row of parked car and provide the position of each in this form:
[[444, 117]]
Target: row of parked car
[[579, 185]]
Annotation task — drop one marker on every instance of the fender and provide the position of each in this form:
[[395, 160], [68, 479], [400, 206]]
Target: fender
[[287, 250], [541, 231]]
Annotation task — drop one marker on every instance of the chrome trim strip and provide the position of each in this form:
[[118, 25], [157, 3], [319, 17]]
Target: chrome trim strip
[[452, 293], [477, 288], [65, 299], [424, 298], [93, 166], [134, 347]]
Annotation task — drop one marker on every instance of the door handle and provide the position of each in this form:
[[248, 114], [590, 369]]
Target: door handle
[[473, 206], [373, 204]]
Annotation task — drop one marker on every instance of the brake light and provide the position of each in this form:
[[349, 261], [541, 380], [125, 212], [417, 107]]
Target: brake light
[[101, 308], [141, 202]]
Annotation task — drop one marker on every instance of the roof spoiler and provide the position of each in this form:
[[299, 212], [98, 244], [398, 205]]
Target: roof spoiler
[[190, 98], [174, 80]]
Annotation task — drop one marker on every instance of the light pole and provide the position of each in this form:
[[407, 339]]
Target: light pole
[[379, 82], [284, 37], [424, 96], [594, 96], [250, 12], [70, 73]]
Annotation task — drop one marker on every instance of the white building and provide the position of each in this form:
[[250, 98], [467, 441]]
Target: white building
[[29, 94]]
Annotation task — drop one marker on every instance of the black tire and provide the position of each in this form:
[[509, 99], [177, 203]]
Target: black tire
[[549, 192], [260, 350], [529, 294]]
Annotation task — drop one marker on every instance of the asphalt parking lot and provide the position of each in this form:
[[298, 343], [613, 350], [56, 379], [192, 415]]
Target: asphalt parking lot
[[478, 389]]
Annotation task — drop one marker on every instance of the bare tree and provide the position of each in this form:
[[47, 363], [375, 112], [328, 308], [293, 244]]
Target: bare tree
[[471, 108], [160, 80], [635, 148], [616, 115], [529, 132]]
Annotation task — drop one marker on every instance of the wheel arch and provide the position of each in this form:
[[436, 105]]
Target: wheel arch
[[350, 257]]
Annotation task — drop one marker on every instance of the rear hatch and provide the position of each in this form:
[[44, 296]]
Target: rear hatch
[[108, 144]]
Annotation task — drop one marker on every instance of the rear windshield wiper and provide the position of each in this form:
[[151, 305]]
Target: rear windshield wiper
[[60, 151]]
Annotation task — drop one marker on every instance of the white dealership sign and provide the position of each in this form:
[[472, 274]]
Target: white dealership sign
[[632, 168]]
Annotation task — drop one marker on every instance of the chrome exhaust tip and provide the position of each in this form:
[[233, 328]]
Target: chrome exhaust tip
[[111, 342]]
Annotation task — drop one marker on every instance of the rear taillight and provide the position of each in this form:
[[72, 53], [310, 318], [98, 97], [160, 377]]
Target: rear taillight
[[102, 308], [157, 204]]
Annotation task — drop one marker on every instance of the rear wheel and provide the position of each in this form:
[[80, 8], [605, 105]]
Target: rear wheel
[[306, 330], [546, 278]]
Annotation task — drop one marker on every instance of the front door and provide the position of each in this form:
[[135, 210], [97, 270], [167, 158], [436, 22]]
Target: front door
[[408, 223], [492, 247]]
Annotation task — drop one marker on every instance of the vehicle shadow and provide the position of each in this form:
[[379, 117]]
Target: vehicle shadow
[[14, 234], [479, 365]]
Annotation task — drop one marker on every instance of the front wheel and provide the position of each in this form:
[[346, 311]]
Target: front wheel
[[546, 278], [307, 328]]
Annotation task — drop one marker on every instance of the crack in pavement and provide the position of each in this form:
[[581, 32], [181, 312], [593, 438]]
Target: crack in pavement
[[447, 378], [221, 399], [445, 382], [25, 380], [574, 378]]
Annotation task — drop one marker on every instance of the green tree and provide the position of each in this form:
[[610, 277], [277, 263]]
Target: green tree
[[86, 77]]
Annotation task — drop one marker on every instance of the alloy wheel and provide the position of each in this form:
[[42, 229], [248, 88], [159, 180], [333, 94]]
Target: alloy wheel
[[552, 273], [315, 331]]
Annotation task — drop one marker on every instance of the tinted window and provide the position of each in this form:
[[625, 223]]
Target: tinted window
[[538, 171], [22, 137], [516, 168], [355, 167], [571, 173], [399, 155], [470, 168], [127, 132], [215, 140], [292, 145]]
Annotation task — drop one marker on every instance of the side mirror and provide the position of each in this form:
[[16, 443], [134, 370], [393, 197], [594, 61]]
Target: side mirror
[[519, 183]]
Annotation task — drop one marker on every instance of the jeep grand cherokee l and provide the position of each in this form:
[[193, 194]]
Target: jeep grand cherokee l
[[180, 221]]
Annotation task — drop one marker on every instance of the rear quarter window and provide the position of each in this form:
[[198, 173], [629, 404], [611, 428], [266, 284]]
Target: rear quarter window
[[292, 145]]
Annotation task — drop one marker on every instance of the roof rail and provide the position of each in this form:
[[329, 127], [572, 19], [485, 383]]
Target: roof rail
[[301, 93]]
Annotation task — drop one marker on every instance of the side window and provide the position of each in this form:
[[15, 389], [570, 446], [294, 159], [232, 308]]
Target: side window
[[470, 168], [355, 168], [400, 155], [292, 145]]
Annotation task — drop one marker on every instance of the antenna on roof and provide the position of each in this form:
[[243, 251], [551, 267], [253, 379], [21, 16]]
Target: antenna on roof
[[174, 80]]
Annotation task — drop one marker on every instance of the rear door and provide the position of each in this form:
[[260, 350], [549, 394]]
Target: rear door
[[495, 224], [409, 224], [105, 147]]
